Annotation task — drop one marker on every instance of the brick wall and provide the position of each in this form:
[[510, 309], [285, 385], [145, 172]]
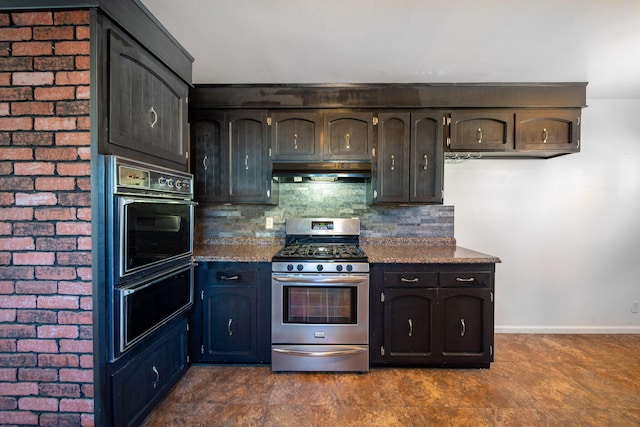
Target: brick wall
[[46, 359]]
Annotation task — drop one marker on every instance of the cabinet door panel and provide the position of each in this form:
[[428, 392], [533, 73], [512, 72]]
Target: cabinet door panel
[[208, 165], [408, 323], [138, 385], [467, 324], [548, 130], [393, 157], [230, 330], [296, 136], [249, 180], [481, 130], [427, 157], [147, 103], [348, 136]]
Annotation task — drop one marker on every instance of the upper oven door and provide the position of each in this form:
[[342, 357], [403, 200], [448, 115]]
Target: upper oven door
[[151, 234], [320, 308]]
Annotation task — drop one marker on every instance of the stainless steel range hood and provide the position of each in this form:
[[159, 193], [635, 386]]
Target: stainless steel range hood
[[357, 170]]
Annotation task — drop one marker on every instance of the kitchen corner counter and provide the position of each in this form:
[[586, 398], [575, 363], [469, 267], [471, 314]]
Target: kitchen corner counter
[[238, 250], [391, 251], [422, 251]]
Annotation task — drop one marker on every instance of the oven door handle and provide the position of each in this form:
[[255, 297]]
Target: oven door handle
[[317, 280], [330, 353], [129, 200], [150, 281]]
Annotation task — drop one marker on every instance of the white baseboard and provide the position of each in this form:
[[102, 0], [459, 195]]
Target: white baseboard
[[567, 329]]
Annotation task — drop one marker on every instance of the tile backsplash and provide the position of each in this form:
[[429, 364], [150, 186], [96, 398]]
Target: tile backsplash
[[324, 199]]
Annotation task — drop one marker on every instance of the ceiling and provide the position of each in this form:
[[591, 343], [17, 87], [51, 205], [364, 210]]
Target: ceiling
[[411, 41]]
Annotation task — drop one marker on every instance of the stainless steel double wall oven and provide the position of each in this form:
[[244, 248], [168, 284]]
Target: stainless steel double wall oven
[[149, 237], [320, 298]]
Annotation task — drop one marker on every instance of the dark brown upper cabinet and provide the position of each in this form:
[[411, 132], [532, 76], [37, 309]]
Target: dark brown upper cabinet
[[209, 158], [249, 166], [481, 131], [348, 135], [393, 158], [410, 158], [481, 117], [296, 136], [427, 157], [548, 130], [147, 106], [230, 161]]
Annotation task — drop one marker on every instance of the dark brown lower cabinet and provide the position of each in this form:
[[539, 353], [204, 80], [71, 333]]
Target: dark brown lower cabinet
[[467, 324], [142, 380], [229, 324], [231, 313], [432, 314], [408, 324]]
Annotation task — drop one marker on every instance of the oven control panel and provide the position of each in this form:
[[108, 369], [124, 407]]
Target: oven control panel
[[141, 177], [319, 267]]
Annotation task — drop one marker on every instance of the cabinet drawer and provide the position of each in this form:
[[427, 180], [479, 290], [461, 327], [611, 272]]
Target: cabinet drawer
[[222, 276], [422, 279], [477, 279]]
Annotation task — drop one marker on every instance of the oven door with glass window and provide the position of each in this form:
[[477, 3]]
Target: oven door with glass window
[[320, 322], [320, 308], [142, 307], [150, 235]]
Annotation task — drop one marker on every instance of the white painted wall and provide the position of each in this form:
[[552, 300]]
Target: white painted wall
[[567, 229]]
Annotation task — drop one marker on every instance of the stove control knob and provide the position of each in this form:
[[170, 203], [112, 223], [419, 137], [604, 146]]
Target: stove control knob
[[319, 267], [300, 267], [349, 267], [339, 267], [290, 267]]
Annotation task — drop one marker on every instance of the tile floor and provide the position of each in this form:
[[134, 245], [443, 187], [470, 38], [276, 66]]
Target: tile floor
[[536, 380]]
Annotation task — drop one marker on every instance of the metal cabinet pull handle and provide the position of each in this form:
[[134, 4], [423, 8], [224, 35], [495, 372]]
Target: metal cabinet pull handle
[[246, 162], [463, 328], [479, 135], [204, 162], [155, 117], [235, 277], [414, 280], [295, 141], [393, 162], [410, 327], [229, 331], [347, 139], [155, 383], [544, 135], [465, 279], [426, 162]]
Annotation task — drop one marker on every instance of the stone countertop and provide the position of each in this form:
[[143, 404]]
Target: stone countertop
[[424, 251], [415, 253], [237, 249]]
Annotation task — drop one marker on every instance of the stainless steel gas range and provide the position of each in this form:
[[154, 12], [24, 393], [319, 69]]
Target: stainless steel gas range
[[320, 298]]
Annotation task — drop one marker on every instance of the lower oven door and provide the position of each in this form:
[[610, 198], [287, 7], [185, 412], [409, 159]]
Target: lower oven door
[[143, 307]]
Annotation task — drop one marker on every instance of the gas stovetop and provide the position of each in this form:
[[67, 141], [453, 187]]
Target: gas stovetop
[[321, 245], [324, 251]]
